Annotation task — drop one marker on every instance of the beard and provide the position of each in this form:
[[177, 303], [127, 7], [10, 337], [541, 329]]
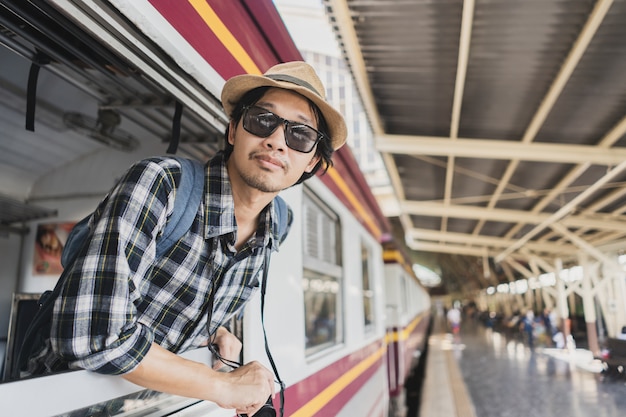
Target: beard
[[259, 182], [262, 180]]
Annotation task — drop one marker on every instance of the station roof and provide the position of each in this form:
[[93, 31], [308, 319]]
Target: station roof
[[502, 125]]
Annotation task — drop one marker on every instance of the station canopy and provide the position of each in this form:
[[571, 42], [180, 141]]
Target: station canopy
[[502, 125]]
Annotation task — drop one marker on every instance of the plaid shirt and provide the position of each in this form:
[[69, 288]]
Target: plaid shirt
[[118, 299]]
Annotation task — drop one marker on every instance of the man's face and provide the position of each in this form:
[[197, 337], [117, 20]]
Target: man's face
[[268, 164]]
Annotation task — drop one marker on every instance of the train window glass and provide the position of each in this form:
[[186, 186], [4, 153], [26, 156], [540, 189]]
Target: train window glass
[[368, 292], [322, 274], [321, 301]]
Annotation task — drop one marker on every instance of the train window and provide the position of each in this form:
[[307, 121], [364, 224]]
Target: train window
[[368, 292], [322, 274], [321, 229]]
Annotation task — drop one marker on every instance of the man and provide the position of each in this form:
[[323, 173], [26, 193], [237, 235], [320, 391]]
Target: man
[[123, 312]]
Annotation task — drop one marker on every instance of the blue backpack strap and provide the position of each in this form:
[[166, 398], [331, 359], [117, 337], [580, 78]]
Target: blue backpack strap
[[75, 241], [188, 196], [285, 217]]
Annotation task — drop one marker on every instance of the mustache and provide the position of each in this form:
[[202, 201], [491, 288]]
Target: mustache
[[272, 157]]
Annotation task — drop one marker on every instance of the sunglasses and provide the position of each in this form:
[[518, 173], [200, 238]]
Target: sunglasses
[[262, 123]]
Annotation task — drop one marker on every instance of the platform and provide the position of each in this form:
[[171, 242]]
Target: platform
[[444, 393], [482, 373]]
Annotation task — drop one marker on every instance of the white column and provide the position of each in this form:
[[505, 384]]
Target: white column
[[561, 302], [587, 290]]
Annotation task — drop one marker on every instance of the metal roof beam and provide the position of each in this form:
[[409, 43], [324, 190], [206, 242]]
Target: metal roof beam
[[599, 255], [446, 248], [500, 149], [459, 88], [519, 268], [422, 235], [537, 260], [509, 216]]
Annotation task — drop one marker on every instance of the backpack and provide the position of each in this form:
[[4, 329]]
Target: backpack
[[188, 197]]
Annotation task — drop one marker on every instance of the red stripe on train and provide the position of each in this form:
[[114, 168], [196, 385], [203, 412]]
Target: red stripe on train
[[183, 17], [299, 395], [257, 27]]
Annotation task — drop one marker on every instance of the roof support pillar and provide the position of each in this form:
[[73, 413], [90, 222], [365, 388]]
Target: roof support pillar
[[589, 306], [621, 300], [561, 301], [611, 296]]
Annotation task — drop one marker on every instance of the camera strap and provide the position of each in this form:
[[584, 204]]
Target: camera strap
[[266, 268]]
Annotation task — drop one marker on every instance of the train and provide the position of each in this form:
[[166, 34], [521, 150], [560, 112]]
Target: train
[[92, 86]]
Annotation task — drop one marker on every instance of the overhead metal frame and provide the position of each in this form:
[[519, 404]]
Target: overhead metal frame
[[522, 218]]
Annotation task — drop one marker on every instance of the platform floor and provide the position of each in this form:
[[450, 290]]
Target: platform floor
[[505, 378]]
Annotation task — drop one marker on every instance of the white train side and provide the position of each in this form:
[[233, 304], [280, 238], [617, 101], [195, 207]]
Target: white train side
[[343, 321]]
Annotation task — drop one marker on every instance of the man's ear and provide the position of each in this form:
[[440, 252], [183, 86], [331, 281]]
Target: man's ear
[[312, 163], [231, 132]]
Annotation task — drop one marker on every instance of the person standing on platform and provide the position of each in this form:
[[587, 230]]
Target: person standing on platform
[[528, 326], [454, 320], [547, 323]]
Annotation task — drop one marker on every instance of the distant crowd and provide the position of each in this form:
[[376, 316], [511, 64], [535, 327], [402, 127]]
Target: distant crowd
[[541, 329]]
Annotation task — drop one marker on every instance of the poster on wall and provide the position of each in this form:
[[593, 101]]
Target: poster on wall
[[49, 242]]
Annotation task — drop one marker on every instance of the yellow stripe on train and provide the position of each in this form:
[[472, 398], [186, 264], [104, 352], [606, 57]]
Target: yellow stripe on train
[[320, 400], [225, 36], [398, 336]]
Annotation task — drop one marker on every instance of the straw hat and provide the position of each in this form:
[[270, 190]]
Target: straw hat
[[297, 76]]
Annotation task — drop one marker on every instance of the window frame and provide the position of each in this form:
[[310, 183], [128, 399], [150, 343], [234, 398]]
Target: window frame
[[315, 267]]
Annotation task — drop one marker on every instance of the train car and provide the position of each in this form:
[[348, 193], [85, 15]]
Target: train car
[[100, 84], [408, 323]]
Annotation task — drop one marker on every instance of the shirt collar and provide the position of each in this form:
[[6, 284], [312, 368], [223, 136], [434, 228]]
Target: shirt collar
[[220, 208]]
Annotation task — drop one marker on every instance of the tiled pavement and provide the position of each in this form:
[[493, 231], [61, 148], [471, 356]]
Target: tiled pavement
[[505, 378]]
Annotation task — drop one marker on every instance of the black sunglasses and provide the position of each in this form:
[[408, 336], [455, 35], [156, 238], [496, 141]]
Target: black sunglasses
[[262, 123]]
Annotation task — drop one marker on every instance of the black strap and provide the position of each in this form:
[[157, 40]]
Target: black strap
[[266, 268], [178, 113], [31, 96], [31, 91], [267, 347]]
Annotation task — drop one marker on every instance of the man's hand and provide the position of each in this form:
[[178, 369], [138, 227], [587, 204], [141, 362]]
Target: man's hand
[[245, 389], [252, 385], [229, 347]]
